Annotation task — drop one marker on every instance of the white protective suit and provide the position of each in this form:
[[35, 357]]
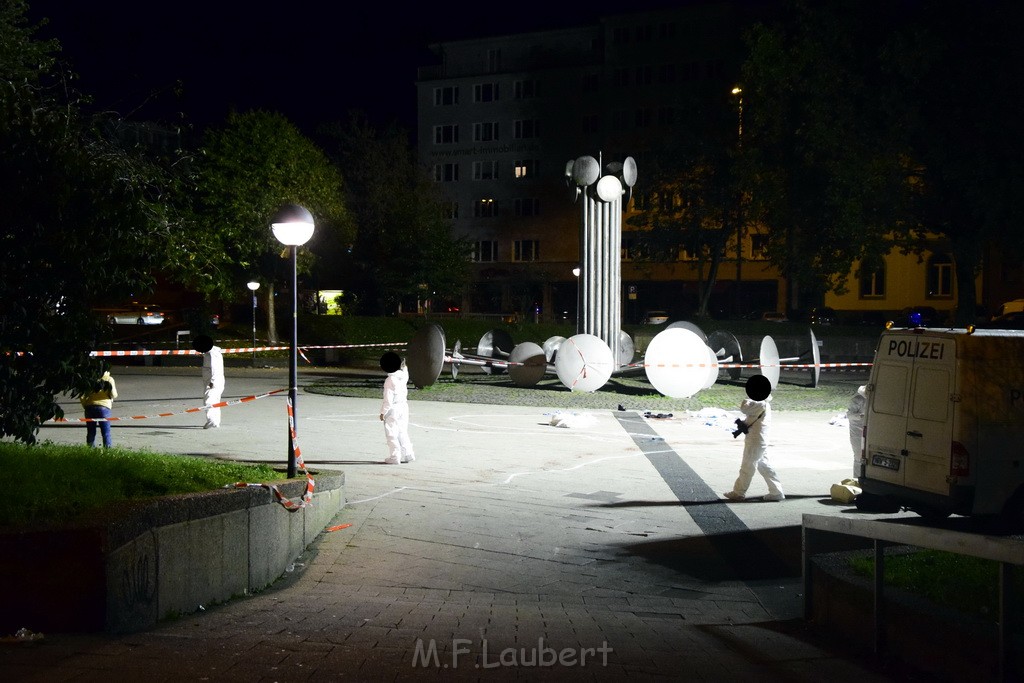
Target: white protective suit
[[213, 379], [394, 411], [758, 417], [855, 415]]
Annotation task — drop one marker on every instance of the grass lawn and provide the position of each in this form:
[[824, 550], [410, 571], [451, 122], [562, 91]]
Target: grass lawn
[[54, 484]]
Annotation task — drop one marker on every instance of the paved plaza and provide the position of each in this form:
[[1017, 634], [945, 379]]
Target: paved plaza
[[511, 549]]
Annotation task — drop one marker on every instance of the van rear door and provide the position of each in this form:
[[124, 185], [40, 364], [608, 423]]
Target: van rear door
[[910, 423]]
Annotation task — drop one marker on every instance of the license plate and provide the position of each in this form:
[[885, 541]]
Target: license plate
[[885, 461]]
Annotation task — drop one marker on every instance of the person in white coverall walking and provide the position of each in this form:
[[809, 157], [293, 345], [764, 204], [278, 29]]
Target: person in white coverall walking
[[394, 411], [855, 415], [756, 424], [213, 377]]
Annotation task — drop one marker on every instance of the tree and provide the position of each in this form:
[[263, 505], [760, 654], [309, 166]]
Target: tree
[[694, 202], [84, 217], [823, 166], [403, 241], [885, 125], [257, 162]]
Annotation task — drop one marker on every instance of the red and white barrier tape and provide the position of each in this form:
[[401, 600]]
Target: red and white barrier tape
[[250, 349], [221, 404], [307, 497]]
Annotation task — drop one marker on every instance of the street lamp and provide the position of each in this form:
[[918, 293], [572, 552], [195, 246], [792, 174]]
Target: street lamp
[[293, 226], [253, 286], [738, 92]]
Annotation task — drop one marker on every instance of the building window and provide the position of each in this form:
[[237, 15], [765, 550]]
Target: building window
[[527, 207], [667, 31], [485, 208], [485, 170], [666, 202], [450, 210], [759, 247], [485, 92], [644, 33], [446, 135], [627, 249], [528, 89], [446, 173], [494, 60], [642, 201], [620, 35], [527, 168], [526, 250], [446, 96], [872, 279], [690, 71], [644, 75], [940, 277], [485, 251], [527, 128], [485, 131], [667, 73]]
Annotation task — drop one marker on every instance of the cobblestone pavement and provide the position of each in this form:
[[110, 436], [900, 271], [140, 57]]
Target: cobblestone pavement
[[510, 549]]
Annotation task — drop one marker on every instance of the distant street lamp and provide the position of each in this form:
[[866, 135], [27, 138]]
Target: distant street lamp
[[253, 286], [293, 226]]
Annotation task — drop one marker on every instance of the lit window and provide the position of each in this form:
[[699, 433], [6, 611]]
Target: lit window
[[527, 168]]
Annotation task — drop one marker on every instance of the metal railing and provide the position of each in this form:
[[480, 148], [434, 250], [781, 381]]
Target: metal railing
[[1009, 553]]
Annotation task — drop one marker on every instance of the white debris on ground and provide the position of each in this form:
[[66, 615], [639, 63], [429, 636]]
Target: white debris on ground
[[716, 417], [572, 420], [840, 420]]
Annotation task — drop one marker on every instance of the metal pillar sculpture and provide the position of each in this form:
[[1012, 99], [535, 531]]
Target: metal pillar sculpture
[[600, 283]]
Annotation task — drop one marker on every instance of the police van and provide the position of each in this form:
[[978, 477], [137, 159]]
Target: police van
[[944, 424]]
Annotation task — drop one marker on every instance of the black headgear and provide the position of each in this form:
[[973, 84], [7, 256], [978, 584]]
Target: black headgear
[[758, 387], [202, 343], [390, 362]]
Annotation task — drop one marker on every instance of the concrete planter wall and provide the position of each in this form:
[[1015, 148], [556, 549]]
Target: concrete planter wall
[[130, 567]]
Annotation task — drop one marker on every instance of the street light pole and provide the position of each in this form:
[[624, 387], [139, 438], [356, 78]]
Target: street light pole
[[253, 286], [738, 91], [293, 226]]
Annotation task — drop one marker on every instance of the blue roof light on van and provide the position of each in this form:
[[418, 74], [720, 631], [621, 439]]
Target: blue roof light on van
[[915, 318]]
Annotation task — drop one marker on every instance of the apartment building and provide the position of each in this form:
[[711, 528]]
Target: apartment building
[[499, 118]]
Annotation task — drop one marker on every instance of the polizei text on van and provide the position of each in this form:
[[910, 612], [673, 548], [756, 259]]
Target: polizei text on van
[[916, 348]]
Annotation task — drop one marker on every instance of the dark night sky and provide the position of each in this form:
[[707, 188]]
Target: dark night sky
[[310, 60]]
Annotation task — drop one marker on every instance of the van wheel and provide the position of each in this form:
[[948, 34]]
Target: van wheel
[[931, 514], [871, 502]]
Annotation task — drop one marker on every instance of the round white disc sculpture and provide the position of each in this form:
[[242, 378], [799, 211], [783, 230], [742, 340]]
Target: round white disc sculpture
[[676, 363], [769, 361], [584, 363]]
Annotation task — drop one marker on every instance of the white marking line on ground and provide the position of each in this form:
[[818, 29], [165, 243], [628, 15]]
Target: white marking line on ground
[[569, 469], [367, 500]]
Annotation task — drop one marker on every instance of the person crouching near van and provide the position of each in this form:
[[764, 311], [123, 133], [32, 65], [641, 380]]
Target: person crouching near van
[[756, 424], [98, 404], [394, 410]]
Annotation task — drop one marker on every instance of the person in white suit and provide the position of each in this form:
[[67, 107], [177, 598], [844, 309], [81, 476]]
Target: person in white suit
[[756, 424], [213, 377], [394, 410]]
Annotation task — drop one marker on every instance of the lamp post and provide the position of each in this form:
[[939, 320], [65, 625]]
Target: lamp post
[[253, 286], [738, 92], [293, 226]]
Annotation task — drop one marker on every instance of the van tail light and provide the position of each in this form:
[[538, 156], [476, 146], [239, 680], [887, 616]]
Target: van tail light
[[959, 460]]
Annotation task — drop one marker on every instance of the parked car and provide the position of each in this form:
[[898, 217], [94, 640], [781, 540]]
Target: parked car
[[1007, 321], [137, 314], [655, 318]]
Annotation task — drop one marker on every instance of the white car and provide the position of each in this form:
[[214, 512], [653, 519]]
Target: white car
[[137, 315], [655, 318]]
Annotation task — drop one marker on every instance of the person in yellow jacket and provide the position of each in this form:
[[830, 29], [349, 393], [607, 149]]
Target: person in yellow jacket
[[97, 405]]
